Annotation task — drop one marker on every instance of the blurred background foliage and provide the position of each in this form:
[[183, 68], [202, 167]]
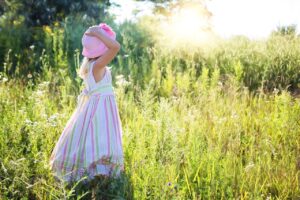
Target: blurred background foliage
[[44, 34], [35, 35]]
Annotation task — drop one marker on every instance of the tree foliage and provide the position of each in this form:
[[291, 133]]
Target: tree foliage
[[44, 12], [167, 7], [290, 30]]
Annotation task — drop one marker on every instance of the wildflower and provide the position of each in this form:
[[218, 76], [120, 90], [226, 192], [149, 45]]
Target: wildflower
[[43, 86], [31, 47], [39, 93], [22, 111], [234, 115], [269, 197], [220, 120], [249, 166], [4, 79], [119, 76], [121, 81], [275, 91], [34, 123], [16, 22], [28, 121], [52, 120], [47, 29], [53, 117], [29, 75]]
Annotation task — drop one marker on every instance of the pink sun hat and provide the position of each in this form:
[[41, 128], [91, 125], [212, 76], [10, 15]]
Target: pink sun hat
[[94, 47]]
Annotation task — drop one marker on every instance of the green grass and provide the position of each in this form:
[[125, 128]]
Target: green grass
[[215, 123], [183, 138]]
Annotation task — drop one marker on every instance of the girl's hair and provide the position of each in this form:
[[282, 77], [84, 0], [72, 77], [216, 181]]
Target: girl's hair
[[84, 67]]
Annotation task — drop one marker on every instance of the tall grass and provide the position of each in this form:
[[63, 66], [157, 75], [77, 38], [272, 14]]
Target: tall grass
[[184, 137], [196, 125]]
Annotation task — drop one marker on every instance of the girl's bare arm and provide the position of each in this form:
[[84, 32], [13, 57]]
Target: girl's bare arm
[[112, 45]]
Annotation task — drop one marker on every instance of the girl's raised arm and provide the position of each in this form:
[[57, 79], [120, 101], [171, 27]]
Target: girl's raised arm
[[112, 45]]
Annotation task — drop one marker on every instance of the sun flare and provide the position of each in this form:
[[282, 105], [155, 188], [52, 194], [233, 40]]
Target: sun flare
[[188, 26]]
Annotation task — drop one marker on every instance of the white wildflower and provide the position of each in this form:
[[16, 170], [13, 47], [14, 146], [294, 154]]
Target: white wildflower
[[121, 81], [234, 115], [28, 121], [52, 120], [53, 117], [39, 93], [4, 79], [249, 166]]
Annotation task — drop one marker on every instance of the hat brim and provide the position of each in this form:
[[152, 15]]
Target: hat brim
[[94, 53]]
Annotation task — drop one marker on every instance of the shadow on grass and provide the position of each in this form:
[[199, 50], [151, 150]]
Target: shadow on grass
[[102, 188]]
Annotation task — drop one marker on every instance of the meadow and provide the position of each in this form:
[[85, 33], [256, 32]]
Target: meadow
[[219, 122]]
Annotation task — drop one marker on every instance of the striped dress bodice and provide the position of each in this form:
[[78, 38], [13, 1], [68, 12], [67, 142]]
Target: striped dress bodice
[[90, 82]]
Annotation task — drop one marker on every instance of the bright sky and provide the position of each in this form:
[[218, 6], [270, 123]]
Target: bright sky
[[253, 18]]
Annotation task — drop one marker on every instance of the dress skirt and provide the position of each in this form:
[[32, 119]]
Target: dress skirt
[[91, 142]]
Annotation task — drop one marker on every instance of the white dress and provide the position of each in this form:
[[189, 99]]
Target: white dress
[[91, 142]]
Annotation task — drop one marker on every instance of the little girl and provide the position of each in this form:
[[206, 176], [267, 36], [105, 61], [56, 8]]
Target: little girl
[[91, 142]]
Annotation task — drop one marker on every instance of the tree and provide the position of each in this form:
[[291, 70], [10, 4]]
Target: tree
[[290, 30], [44, 12], [167, 7]]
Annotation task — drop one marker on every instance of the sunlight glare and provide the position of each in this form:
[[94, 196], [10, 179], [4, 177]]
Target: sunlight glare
[[186, 27]]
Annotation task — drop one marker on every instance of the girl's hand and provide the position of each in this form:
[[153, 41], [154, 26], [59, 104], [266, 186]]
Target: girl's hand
[[93, 31]]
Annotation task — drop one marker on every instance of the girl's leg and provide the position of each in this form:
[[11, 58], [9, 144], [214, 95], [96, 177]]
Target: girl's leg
[[94, 192], [94, 188]]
